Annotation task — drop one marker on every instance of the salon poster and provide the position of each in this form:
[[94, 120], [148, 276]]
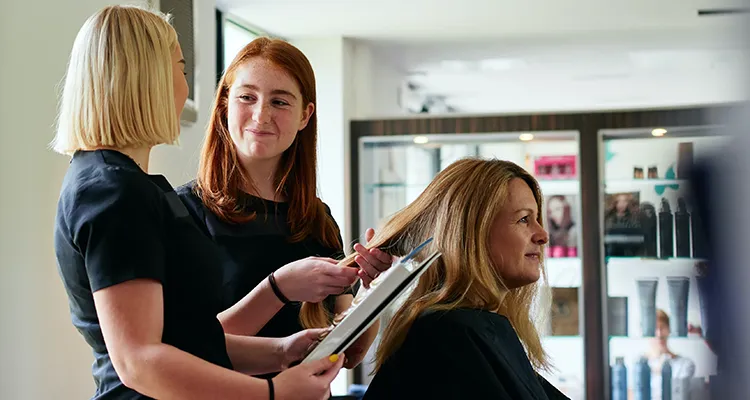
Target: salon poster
[[623, 233], [561, 221]]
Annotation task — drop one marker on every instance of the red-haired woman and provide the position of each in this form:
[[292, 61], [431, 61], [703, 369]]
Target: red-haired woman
[[255, 195]]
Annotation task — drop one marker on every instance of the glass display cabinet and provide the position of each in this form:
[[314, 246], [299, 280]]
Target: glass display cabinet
[[654, 249], [394, 170]]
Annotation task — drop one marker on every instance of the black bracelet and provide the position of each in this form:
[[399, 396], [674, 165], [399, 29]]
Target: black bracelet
[[276, 290], [270, 389]]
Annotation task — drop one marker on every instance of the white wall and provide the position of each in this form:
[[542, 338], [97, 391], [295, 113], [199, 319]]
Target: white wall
[[374, 82], [351, 83], [343, 93], [329, 57], [180, 163], [41, 354]]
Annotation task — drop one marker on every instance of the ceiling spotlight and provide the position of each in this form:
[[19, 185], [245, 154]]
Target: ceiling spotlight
[[526, 137], [421, 139], [658, 132]]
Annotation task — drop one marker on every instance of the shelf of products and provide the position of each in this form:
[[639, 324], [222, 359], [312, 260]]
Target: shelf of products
[[654, 248], [393, 171]]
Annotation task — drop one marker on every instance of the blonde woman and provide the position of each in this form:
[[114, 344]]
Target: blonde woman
[[466, 331], [141, 278]]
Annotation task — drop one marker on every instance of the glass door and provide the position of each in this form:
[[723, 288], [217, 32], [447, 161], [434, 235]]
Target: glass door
[[654, 248], [395, 170]]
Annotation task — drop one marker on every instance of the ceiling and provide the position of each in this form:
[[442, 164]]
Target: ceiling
[[480, 56], [427, 20]]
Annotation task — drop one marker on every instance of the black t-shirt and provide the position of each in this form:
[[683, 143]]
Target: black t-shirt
[[460, 354], [116, 223], [257, 248]]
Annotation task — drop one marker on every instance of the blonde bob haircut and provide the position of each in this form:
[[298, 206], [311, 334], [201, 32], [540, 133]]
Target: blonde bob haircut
[[118, 89], [458, 209]]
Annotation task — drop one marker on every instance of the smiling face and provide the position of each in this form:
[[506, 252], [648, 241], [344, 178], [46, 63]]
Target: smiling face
[[516, 237], [265, 110]]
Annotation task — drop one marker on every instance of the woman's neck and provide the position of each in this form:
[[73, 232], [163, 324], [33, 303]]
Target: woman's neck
[[501, 297], [263, 176], [140, 155]]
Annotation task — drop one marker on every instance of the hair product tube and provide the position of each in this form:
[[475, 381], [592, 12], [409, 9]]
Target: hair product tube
[[642, 380], [619, 380], [682, 229], [666, 381], [647, 301], [678, 287], [647, 218], [666, 230]]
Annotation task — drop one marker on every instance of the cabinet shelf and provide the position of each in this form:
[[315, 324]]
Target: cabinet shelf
[[635, 266], [643, 182], [672, 339], [564, 271], [549, 186], [694, 348], [559, 186]]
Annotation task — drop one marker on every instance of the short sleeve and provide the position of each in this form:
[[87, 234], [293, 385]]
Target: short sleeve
[[118, 228], [194, 205]]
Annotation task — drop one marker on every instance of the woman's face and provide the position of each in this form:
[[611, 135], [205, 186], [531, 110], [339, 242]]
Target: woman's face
[[179, 81], [265, 110], [662, 331], [556, 210], [516, 238], [622, 203]]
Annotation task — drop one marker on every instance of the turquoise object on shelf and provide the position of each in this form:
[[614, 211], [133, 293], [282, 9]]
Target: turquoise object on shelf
[[608, 154], [670, 174]]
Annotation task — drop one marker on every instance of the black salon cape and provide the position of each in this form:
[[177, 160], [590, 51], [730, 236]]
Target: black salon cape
[[460, 354]]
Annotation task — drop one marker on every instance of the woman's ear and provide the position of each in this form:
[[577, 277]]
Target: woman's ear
[[306, 114]]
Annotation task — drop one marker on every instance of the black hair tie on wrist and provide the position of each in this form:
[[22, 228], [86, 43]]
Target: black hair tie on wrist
[[276, 290], [270, 389]]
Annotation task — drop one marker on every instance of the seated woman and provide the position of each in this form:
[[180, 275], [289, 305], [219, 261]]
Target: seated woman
[[466, 331]]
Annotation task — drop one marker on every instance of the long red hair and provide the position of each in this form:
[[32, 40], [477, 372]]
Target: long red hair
[[221, 176]]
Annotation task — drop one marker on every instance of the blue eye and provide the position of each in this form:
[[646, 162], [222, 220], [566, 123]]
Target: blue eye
[[524, 220]]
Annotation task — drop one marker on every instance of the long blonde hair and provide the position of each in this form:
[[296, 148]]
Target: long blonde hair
[[118, 89], [457, 209]]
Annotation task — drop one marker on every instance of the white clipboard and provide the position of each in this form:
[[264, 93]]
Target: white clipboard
[[370, 304]]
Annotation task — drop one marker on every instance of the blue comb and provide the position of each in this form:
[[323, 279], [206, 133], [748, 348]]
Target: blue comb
[[416, 250]]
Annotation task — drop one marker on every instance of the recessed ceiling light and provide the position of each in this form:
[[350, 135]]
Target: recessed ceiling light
[[421, 139], [526, 137], [658, 132]]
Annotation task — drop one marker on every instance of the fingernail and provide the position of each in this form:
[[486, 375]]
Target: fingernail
[[333, 358]]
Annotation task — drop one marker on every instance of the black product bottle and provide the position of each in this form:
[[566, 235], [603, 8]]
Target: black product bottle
[[666, 240], [647, 216], [682, 229]]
